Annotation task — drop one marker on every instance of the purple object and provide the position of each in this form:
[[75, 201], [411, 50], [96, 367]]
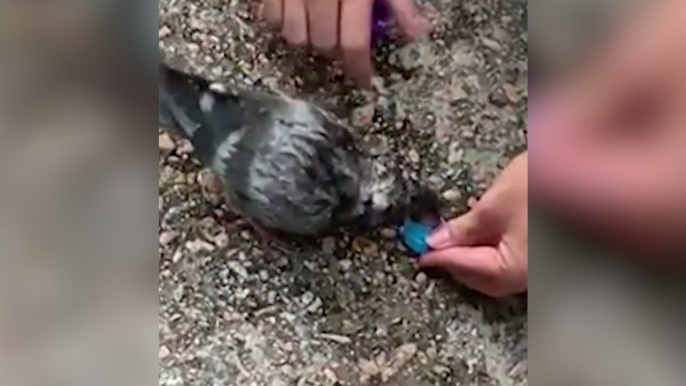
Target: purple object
[[381, 21]]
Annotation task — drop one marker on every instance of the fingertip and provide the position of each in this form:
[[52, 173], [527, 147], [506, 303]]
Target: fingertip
[[272, 12], [355, 41], [440, 238], [294, 27], [362, 80], [358, 68], [417, 27], [433, 259], [410, 19]]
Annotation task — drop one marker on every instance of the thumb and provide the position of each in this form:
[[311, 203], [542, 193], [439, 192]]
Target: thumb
[[472, 228], [479, 268], [409, 17]]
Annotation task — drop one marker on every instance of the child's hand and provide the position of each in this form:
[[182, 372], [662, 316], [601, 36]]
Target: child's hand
[[340, 28], [487, 248]]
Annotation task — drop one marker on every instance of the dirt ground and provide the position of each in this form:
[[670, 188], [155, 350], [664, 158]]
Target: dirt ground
[[351, 311]]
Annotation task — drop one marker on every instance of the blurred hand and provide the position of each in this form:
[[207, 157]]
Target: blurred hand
[[340, 27], [487, 248], [608, 149]]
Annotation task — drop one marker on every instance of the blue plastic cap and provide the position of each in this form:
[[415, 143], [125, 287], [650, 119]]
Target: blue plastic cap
[[414, 236]]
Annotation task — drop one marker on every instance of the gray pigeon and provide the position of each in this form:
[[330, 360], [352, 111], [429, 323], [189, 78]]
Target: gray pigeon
[[287, 165]]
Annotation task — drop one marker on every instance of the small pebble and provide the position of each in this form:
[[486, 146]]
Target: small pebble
[[345, 264], [184, 148], [178, 255], [398, 359], [441, 370], [492, 44], [368, 368], [210, 182], [420, 278], [513, 94], [329, 245], [498, 98], [221, 240], [271, 296], [330, 376], [452, 195], [336, 338], [166, 144], [414, 156], [389, 233], [363, 116], [167, 237], [164, 32], [307, 297], [315, 305], [372, 250], [237, 268], [198, 245], [164, 352]]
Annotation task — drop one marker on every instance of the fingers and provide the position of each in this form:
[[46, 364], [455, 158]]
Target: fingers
[[621, 190], [273, 12], [324, 18], [410, 20], [583, 168], [356, 40], [331, 24], [483, 269], [294, 28]]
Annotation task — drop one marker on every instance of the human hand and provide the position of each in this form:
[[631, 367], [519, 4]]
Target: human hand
[[487, 248], [341, 27], [608, 149]]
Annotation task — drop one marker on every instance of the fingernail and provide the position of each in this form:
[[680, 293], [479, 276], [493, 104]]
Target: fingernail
[[440, 238]]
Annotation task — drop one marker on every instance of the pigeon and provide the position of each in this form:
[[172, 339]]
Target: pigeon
[[288, 166]]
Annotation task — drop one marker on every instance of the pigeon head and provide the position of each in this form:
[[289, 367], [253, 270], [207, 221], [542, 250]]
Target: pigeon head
[[391, 193]]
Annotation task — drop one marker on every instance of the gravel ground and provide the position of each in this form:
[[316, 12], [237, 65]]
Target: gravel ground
[[348, 311]]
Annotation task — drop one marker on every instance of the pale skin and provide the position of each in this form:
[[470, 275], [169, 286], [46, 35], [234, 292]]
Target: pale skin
[[610, 147]]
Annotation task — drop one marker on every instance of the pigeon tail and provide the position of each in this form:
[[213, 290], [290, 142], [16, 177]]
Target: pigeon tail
[[201, 111]]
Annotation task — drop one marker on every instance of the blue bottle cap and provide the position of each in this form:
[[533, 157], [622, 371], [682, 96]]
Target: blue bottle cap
[[414, 236]]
